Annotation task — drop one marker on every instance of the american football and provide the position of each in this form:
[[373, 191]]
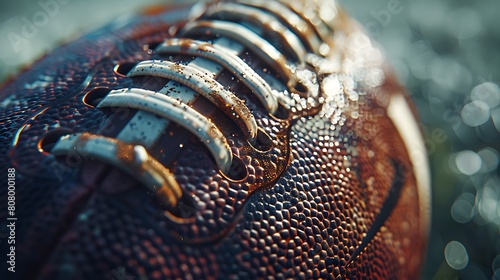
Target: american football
[[243, 139]]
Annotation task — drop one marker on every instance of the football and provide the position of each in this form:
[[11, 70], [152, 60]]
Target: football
[[244, 139]]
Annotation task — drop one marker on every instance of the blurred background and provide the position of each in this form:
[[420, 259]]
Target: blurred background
[[445, 52]]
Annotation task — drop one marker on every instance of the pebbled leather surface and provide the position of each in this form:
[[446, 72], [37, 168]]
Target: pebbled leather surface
[[301, 217]]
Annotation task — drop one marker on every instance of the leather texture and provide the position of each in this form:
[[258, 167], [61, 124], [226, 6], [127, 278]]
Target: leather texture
[[301, 211]]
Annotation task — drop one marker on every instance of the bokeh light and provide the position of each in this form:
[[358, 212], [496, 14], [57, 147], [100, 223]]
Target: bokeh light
[[456, 255], [475, 113], [446, 53]]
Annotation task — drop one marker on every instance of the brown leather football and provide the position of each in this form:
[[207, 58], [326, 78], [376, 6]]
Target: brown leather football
[[228, 140]]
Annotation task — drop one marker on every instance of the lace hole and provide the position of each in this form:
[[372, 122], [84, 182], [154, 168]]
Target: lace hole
[[282, 113], [122, 69], [93, 97], [50, 138], [263, 142], [184, 210], [300, 88], [151, 47], [238, 170]]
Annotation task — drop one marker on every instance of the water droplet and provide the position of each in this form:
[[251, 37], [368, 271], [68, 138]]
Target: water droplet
[[324, 49]]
